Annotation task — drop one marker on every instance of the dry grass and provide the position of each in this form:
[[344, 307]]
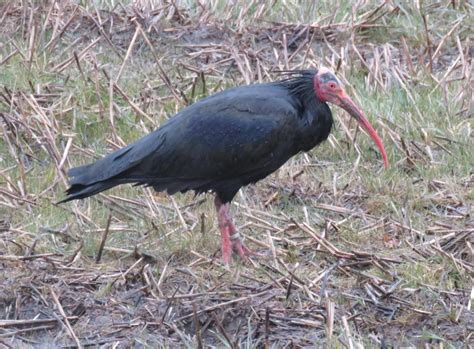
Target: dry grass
[[357, 256]]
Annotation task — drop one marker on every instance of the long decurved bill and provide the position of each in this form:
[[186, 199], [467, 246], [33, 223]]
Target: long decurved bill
[[347, 104]]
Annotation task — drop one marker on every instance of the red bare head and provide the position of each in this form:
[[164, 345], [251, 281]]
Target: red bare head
[[328, 88]]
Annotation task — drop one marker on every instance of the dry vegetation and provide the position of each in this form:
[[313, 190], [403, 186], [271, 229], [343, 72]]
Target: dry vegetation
[[358, 256]]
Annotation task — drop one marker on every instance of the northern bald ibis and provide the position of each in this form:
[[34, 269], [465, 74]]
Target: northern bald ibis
[[226, 141]]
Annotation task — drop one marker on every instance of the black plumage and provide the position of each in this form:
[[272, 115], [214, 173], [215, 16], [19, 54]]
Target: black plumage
[[219, 144]]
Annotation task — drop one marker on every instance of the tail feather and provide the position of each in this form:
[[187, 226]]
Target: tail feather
[[89, 180], [81, 191], [81, 188]]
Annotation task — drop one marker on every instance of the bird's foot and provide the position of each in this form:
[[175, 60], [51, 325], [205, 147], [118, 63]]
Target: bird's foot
[[234, 244], [231, 242], [239, 247]]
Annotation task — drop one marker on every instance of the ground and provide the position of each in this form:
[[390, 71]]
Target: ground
[[354, 255]]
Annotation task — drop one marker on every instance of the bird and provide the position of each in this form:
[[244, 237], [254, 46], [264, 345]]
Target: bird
[[226, 141]]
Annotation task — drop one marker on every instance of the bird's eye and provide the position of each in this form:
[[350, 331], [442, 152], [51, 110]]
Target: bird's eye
[[332, 85]]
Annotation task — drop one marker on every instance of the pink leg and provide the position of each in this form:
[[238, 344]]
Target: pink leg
[[230, 238]]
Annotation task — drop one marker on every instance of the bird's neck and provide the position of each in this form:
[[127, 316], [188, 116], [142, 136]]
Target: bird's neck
[[316, 125]]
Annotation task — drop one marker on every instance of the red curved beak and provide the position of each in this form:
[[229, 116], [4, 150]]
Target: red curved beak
[[345, 102]]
